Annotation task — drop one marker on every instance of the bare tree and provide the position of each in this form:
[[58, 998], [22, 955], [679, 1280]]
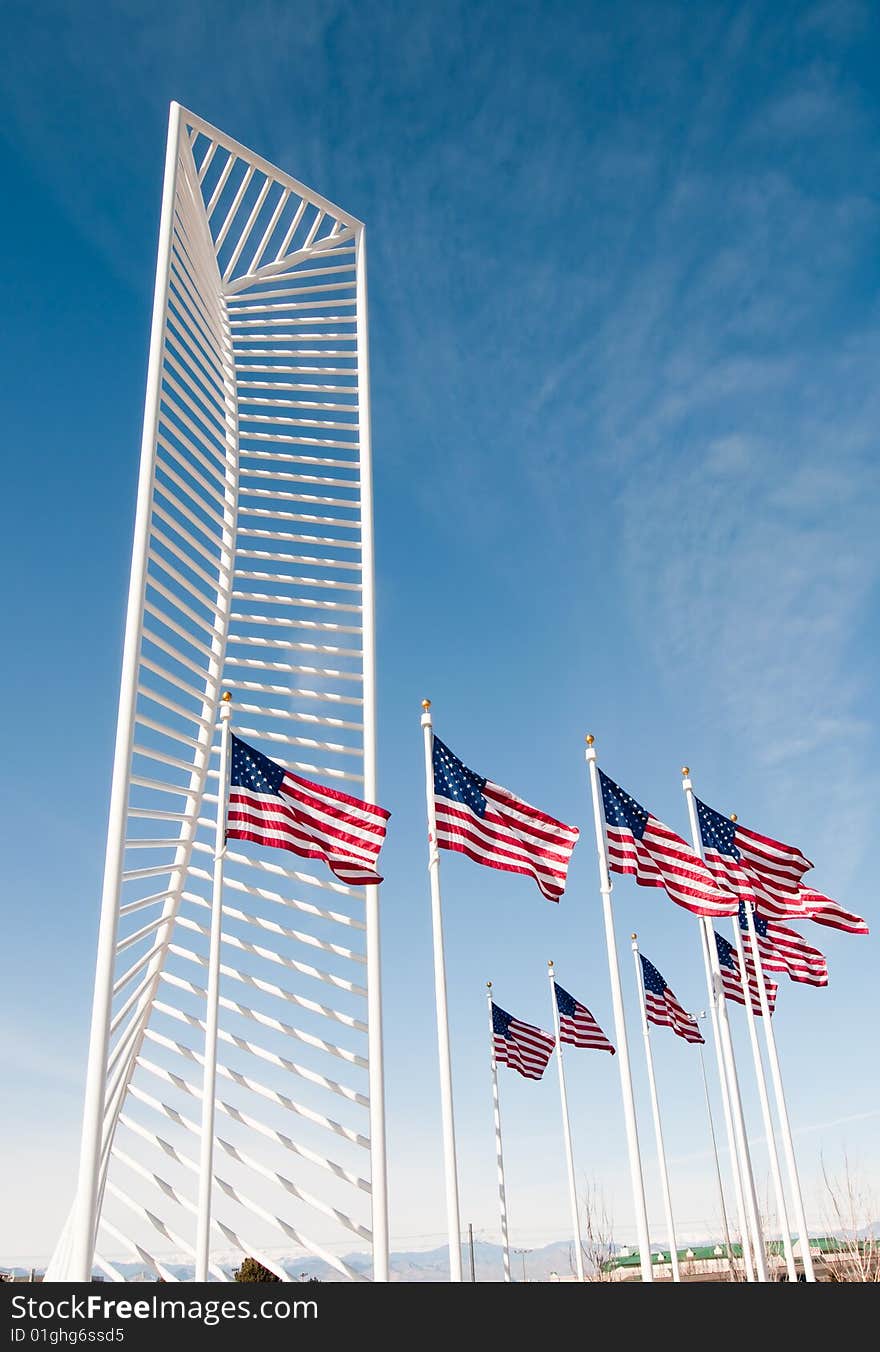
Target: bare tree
[[852, 1213], [597, 1244]]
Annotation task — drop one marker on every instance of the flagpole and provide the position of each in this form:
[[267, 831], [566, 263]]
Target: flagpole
[[775, 1172], [566, 1130], [209, 1071], [453, 1222], [655, 1109], [499, 1153], [629, 1107], [732, 1143], [716, 994], [718, 1178], [781, 1105]]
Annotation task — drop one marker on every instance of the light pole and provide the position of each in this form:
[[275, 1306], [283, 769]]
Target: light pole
[[522, 1253]]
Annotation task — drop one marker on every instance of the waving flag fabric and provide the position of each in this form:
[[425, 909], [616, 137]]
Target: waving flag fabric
[[270, 805], [492, 826], [520, 1045], [641, 845], [827, 912], [577, 1025], [782, 949], [728, 961], [754, 868], [662, 1007]]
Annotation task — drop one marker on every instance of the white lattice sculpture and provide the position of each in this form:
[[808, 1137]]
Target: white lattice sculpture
[[252, 570]]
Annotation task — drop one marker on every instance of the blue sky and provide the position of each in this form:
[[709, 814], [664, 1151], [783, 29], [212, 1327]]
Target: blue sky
[[624, 326]]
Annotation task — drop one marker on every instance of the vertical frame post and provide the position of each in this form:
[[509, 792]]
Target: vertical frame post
[[378, 1156], [88, 1184]]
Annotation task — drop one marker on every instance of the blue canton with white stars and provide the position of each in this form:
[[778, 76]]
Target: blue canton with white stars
[[452, 779], [652, 978], [717, 832], [726, 952], [565, 1003], [501, 1020], [621, 809], [760, 925], [252, 770]]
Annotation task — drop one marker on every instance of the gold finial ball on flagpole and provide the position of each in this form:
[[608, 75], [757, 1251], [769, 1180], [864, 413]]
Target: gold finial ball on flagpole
[[550, 962], [634, 936], [734, 817], [426, 704], [488, 985], [226, 696], [590, 739], [685, 770]]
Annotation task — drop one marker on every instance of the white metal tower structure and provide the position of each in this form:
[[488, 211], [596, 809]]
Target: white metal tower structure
[[252, 570]]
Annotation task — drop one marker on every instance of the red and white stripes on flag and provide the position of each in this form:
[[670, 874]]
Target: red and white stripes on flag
[[782, 949], [733, 989], [641, 845], [753, 867], [728, 962], [492, 826], [827, 912], [577, 1025], [519, 1045], [272, 806], [661, 1006]]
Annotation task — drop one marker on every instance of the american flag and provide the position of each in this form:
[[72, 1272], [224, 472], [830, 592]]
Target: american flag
[[827, 912], [520, 1045], [641, 845], [755, 868], [494, 827], [662, 1007], [270, 805], [577, 1025], [782, 949], [728, 961]]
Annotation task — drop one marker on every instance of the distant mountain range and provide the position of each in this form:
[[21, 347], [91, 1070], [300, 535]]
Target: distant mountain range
[[431, 1265], [427, 1265]]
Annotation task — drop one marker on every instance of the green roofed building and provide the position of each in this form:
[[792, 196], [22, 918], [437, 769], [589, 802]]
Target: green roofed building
[[711, 1262]]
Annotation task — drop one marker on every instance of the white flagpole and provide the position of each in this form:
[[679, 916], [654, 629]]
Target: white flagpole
[[766, 1115], [453, 1222], [732, 1145], [718, 1178], [566, 1131], [655, 1108], [781, 1105], [629, 1107], [209, 1072], [499, 1153], [716, 994]]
